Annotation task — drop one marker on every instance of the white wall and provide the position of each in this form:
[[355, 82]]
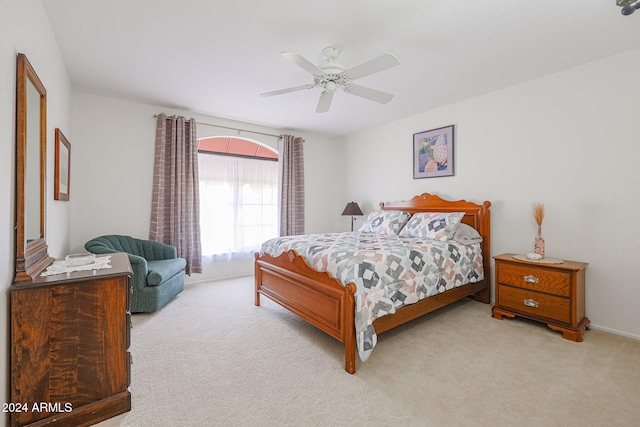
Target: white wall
[[112, 173], [569, 140], [24, 28]]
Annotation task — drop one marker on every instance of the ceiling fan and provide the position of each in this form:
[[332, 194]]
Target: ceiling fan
[[329, 75]]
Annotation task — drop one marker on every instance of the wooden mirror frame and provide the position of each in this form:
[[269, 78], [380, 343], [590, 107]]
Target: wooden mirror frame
[[31, 256]]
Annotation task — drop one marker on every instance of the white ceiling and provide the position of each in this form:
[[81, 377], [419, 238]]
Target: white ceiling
[[216, 57]]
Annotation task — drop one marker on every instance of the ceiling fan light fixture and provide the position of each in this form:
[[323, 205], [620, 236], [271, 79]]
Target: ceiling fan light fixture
[[329, 54], [628, 6]]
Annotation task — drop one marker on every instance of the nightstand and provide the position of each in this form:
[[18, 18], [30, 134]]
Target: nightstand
[[548, 293]]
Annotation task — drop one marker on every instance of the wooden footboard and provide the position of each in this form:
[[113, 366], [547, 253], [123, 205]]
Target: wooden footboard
[[314, 296]]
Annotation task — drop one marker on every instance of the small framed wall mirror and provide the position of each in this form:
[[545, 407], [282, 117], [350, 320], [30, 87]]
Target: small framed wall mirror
[[31, 158]]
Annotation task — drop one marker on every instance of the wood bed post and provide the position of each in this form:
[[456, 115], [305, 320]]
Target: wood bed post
[[484, 228], [349, 329]]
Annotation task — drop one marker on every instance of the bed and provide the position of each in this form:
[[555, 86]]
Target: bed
[[323, 300]]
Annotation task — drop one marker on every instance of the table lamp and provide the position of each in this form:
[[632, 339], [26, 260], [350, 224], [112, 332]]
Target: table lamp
[[352, 209]]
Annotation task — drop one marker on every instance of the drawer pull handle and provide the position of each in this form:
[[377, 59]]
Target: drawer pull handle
[[531, 279], [531, 303]]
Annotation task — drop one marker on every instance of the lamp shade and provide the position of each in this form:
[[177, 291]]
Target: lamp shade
[[352, 208]]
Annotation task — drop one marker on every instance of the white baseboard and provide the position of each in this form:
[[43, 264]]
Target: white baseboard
[[216, 279], [615, 331]]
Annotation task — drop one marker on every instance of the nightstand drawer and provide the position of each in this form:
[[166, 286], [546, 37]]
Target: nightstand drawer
[[538, 279], [535, 303]]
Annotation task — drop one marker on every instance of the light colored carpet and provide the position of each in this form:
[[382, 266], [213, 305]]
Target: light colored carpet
[[212, 358]]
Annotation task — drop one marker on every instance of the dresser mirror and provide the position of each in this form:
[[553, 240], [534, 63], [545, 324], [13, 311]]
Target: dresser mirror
[[31, 158]]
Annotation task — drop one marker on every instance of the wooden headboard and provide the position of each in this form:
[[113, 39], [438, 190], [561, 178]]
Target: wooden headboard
[[475, 215]]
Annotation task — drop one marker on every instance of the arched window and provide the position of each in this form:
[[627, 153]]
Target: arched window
[[238, 195], [236, 147]]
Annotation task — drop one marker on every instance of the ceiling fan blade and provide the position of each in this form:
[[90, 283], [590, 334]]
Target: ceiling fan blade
[[375, 65], [302, 62], [368, 93], [291, 89], [325, 101]]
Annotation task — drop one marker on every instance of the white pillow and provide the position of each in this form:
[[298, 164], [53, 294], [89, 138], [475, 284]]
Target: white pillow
[[384, 222], [466, 235], [432, 225]]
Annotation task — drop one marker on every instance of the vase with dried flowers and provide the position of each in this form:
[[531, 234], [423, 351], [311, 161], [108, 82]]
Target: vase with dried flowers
[[538, 215]]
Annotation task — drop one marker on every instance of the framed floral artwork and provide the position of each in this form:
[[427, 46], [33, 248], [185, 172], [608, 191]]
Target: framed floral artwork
[[433, 153], [62, 163]]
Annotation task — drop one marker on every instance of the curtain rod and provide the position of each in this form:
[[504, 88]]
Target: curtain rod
[[227, 127]]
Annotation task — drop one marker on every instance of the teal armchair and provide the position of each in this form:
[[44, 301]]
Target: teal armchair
[[158, 273]]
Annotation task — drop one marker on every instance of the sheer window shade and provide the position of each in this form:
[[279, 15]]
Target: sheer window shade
[[238, 203]]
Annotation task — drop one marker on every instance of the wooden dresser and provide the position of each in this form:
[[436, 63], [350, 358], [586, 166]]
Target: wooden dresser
[[70, 335], [549, 293]]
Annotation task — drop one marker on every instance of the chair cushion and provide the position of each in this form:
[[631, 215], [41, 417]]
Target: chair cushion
[[159, 271]]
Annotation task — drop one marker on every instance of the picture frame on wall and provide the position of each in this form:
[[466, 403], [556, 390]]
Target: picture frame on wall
[[433, 153], [62, 167]]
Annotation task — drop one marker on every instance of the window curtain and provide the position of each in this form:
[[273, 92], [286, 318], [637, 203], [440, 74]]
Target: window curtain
[[238, 206], [175, 200], [291, 168]]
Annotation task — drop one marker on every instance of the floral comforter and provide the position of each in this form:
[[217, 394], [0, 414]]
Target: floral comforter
[[389, 271]]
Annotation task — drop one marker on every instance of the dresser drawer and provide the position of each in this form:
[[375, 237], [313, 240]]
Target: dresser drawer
[[535, 303], [535, 278]]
